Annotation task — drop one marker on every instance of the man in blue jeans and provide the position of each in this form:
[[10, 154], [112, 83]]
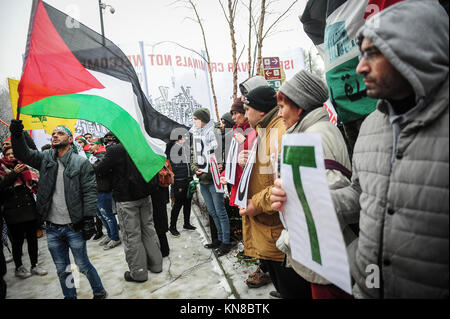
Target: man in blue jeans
[[66, 201], [104, 203], [204, 130]]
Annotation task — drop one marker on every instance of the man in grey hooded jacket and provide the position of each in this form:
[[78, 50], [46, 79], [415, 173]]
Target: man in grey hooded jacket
[[400, 181]]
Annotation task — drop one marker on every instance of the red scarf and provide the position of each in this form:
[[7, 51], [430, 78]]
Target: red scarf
[[27, 177]]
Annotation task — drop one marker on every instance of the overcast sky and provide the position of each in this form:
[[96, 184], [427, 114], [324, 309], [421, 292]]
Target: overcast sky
[[150, 21]]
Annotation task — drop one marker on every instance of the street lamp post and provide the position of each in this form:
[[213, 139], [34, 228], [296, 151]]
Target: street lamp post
[[101, 7]]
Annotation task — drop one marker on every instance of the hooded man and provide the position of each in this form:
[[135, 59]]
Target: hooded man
[[400, 181]]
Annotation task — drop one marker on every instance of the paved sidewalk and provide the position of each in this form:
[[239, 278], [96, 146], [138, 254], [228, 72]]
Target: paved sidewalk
[[189, 272]]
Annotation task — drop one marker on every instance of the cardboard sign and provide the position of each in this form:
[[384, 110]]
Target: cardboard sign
[[200, 153], [215, 173], [232, 159], [316, 239], [241, 196]]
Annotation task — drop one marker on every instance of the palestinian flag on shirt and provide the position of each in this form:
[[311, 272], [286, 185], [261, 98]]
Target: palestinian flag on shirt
[[332, 26], [70, 71]]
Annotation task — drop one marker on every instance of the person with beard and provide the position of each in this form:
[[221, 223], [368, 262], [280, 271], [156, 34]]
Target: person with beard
[[66, 201]]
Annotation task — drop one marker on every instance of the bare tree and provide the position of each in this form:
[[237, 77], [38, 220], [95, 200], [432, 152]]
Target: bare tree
[[191, 5], [5, 113], [258, 22], [232, 5], [250, 17]]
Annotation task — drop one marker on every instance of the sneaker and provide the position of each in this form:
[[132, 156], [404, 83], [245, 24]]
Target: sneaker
[[104, 241], [111, 244], [102, 295], [22, 272], [258, 279], [38, 270], [97, 236], [189, 227], [214, 244], [174, 232], [127, 276], [275, 295]]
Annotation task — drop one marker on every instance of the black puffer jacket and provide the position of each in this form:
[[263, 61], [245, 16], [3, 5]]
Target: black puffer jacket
[[128, 184]]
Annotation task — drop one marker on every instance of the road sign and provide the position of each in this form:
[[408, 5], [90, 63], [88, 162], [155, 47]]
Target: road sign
[[271, 63], [275, 84], [272, 74]]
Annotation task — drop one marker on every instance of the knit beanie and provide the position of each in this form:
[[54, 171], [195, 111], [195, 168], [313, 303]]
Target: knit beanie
[[203, 115], [306, 90], [238, 106], [228, 119], [261, 98]]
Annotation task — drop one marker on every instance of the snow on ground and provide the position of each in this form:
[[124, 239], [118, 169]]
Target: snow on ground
[[189, 272]]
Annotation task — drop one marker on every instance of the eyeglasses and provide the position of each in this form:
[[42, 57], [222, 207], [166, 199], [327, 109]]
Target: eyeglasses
[[369, 54]]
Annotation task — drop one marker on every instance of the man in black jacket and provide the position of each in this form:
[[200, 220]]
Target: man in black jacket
[[179, 155], [66, 201], [105, 201], [134, 209]]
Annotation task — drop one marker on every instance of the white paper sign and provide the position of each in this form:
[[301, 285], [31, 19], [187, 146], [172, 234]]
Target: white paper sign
[[241, 195], [315, 235], [232, 158], [332, 114], [201, 154], [215, 173]]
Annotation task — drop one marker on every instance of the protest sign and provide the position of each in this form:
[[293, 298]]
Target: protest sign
[[316, 238]]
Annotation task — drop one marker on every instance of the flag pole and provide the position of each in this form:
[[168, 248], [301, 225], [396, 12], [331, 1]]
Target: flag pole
[[18, 107], [4, 123]]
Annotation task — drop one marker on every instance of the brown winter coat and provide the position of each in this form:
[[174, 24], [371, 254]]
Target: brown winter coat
[[261, 232]]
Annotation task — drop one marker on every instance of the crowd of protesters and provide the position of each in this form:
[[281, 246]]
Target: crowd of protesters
[[391, 192]]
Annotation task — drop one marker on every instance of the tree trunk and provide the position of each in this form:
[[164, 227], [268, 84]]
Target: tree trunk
[[260, 38], [233, 47], [250, 39], [208, 62]]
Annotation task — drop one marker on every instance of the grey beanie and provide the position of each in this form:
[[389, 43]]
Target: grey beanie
[[228, 118], [203, 115], [306, 90]]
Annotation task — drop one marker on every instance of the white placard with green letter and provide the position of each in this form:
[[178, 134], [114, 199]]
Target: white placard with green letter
[[315, 235]]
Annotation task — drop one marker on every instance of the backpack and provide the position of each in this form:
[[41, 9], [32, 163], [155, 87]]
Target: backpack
[[166, 176]]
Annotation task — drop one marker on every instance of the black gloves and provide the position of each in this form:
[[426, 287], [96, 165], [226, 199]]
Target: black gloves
[[88, 228], [16, 128]]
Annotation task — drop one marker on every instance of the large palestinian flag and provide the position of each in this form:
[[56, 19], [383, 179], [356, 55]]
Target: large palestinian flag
[[332, 26], [71, 71]]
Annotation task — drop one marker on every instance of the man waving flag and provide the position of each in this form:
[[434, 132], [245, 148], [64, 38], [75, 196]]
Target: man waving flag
[[71, 71]]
